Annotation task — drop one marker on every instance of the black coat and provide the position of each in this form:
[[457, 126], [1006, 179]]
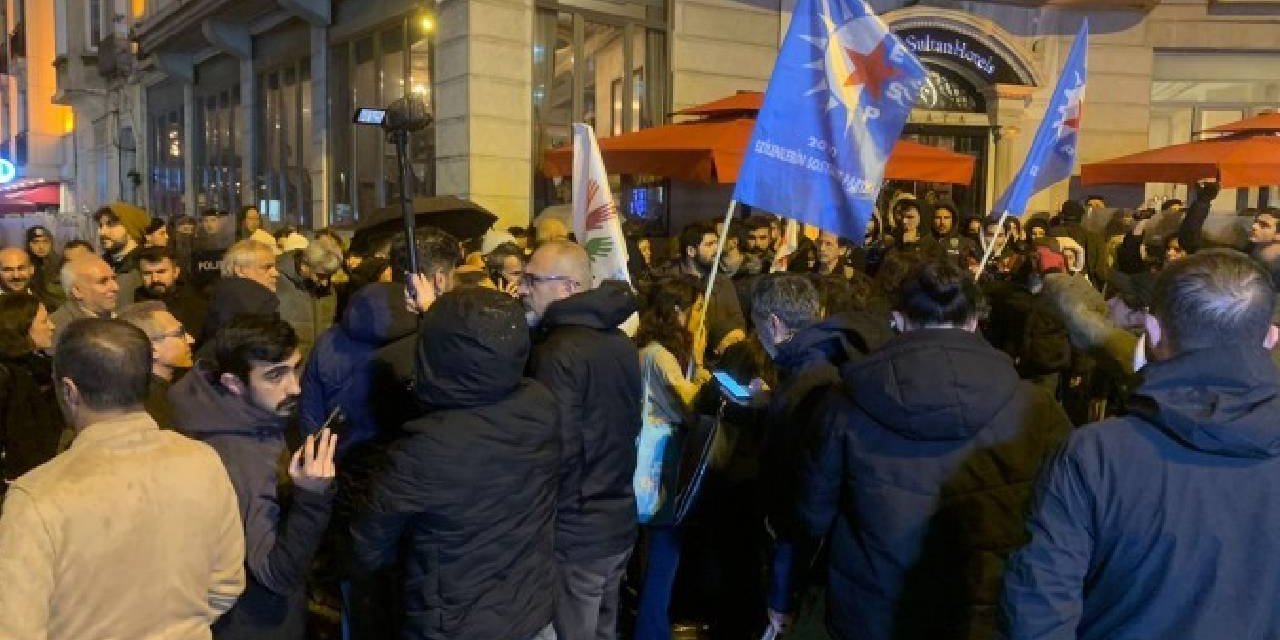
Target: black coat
[[30, 423], [471, 488], [282, 528], [232, 297], [593, 370], [920, 479], [185, 303]]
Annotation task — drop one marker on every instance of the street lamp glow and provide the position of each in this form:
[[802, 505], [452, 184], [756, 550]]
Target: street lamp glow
[[427, 23]]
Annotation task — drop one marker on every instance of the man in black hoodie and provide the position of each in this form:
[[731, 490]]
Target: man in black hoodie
[[471, 488], [239, 402], [921, 468], [593, 370]]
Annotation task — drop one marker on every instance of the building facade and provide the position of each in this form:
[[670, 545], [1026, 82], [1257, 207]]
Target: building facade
[[225, 103]]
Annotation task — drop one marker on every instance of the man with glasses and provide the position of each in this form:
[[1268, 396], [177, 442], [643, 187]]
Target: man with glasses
[[593, 370], [170, 354]]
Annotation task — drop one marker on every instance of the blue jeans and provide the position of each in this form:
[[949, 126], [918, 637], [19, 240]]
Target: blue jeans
[[653, 622]]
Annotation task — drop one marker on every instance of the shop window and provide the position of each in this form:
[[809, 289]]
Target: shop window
[[166, 150], [374, 70], [284, 193], [607, 70], [217, 152]]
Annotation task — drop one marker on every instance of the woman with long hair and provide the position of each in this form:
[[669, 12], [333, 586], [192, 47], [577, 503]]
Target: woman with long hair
[[31, 425], [668, 343], [250, 225]]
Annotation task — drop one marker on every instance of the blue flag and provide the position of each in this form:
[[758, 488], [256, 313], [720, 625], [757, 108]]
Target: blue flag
[[841, 90], [1052, 157]]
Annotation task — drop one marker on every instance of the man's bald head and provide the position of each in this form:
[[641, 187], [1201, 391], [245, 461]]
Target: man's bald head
[[15, 270], [91, 282], [557, 270]]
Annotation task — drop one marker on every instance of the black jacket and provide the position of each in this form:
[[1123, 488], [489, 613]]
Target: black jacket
[[593, 370], [920, 479], [188, 306], [281, 532], [30, 423], [232, 297], [1161, 524], [471, 487]]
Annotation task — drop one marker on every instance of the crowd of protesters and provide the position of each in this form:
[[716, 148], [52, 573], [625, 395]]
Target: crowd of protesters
[[958, 427]]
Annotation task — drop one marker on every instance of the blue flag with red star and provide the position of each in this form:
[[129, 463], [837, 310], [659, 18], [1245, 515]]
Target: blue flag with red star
[[1052, 157], [841, 90]]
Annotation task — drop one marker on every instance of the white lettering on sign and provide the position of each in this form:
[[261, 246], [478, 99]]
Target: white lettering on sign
[[956, 48]]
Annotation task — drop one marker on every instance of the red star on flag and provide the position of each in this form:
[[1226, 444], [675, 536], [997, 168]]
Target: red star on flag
[[872, 70]]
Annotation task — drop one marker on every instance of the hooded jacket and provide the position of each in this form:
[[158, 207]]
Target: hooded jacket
[[281, 533], [309, 312], [593, 370], [232, 297], [919, 479], [1162, 524], [471, 487], [339, 370]]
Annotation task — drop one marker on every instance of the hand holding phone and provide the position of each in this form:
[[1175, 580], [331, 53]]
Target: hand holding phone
[[419, 292]]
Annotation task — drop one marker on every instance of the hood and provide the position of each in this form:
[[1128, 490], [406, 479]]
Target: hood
[[472, 348], [604, 307], [1220, 401], [837, 340], [202, 408], [933, 384], [376, 314]]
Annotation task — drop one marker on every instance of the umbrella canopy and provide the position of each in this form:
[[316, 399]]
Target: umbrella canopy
[[1263, 123], [1241, 160], [712, 151], [13, 205], [463, 219], [740, 103]]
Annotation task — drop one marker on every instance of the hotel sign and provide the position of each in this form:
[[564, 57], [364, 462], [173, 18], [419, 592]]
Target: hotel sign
[[959, 48]]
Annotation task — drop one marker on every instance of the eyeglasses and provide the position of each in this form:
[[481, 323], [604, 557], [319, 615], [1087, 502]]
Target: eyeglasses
[[531, 279]]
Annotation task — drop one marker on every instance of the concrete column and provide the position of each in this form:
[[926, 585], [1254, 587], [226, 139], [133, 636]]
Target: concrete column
[[1008, 107], [318, 163], [484, 110], [249, 131], [188, 138]]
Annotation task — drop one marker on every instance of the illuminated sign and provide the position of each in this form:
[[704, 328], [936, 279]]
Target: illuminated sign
[[7, 171], [964, 49]]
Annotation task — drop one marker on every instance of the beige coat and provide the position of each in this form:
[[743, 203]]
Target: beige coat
[[133, 533]]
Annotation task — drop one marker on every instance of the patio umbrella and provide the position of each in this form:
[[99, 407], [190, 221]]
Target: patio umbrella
[[463, 219], [1266, 122], [1238, 160], [711, 150]]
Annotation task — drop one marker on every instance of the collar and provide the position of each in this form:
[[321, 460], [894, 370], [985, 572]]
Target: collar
[[133, 423]]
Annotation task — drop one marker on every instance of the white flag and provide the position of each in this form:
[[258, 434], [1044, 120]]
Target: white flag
[[595, 216], [790, 242]]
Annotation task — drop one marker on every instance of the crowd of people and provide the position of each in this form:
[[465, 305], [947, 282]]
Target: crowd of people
[[957, 427]]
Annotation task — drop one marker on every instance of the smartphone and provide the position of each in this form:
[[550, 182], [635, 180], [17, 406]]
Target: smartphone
[[370, 116], [336, 422], [736, 391]]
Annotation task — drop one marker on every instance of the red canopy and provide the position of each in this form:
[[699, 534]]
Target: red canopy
[[1266, 122], [1241, 160], [712, 149]]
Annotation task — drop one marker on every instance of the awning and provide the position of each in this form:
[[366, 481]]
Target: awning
[[44, 195]]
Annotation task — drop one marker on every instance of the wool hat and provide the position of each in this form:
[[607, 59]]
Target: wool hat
[[135, 220]]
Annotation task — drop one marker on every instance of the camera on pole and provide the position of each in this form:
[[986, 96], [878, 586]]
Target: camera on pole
[[399, 119]]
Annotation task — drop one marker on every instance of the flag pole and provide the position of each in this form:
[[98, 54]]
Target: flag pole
[[991, 247], [711, 281]]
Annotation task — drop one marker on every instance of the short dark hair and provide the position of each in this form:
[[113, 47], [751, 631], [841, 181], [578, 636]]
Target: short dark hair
[[1170, 203], [72, 244], [789, 296], [154, 255], [105, 212], [108, 360], [17, 312], [893, 270], [437, 251], [1212, 298], [692, 235], [900, 207], [756, 221], [250, 338], [938, 292], [837, 295], [155, 225], [1094, 196], [208, 213]]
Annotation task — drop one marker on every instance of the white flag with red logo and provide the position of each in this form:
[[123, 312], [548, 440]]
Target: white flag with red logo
[[790, 242], [595, 216]]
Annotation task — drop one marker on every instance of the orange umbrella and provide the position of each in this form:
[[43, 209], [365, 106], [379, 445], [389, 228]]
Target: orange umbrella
[[742, 102], [1241, 160], [1266, 122], [711, 150]]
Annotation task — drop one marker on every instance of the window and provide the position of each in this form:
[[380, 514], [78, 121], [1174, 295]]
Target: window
[[607, 70], [93, 20], [284, 182], [374, 70], [166, 149], [217, 150], [60, 28]]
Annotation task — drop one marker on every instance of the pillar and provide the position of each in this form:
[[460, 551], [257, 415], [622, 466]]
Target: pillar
[[318, 164], [1008, 105]]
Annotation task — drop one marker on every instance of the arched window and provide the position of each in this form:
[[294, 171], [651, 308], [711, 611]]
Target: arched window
[[945, 91]]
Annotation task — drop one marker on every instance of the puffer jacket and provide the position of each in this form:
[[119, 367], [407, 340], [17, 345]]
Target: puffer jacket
[[281, 531], [1161, 524], [468, 495], [919, 479], [593, 370]]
